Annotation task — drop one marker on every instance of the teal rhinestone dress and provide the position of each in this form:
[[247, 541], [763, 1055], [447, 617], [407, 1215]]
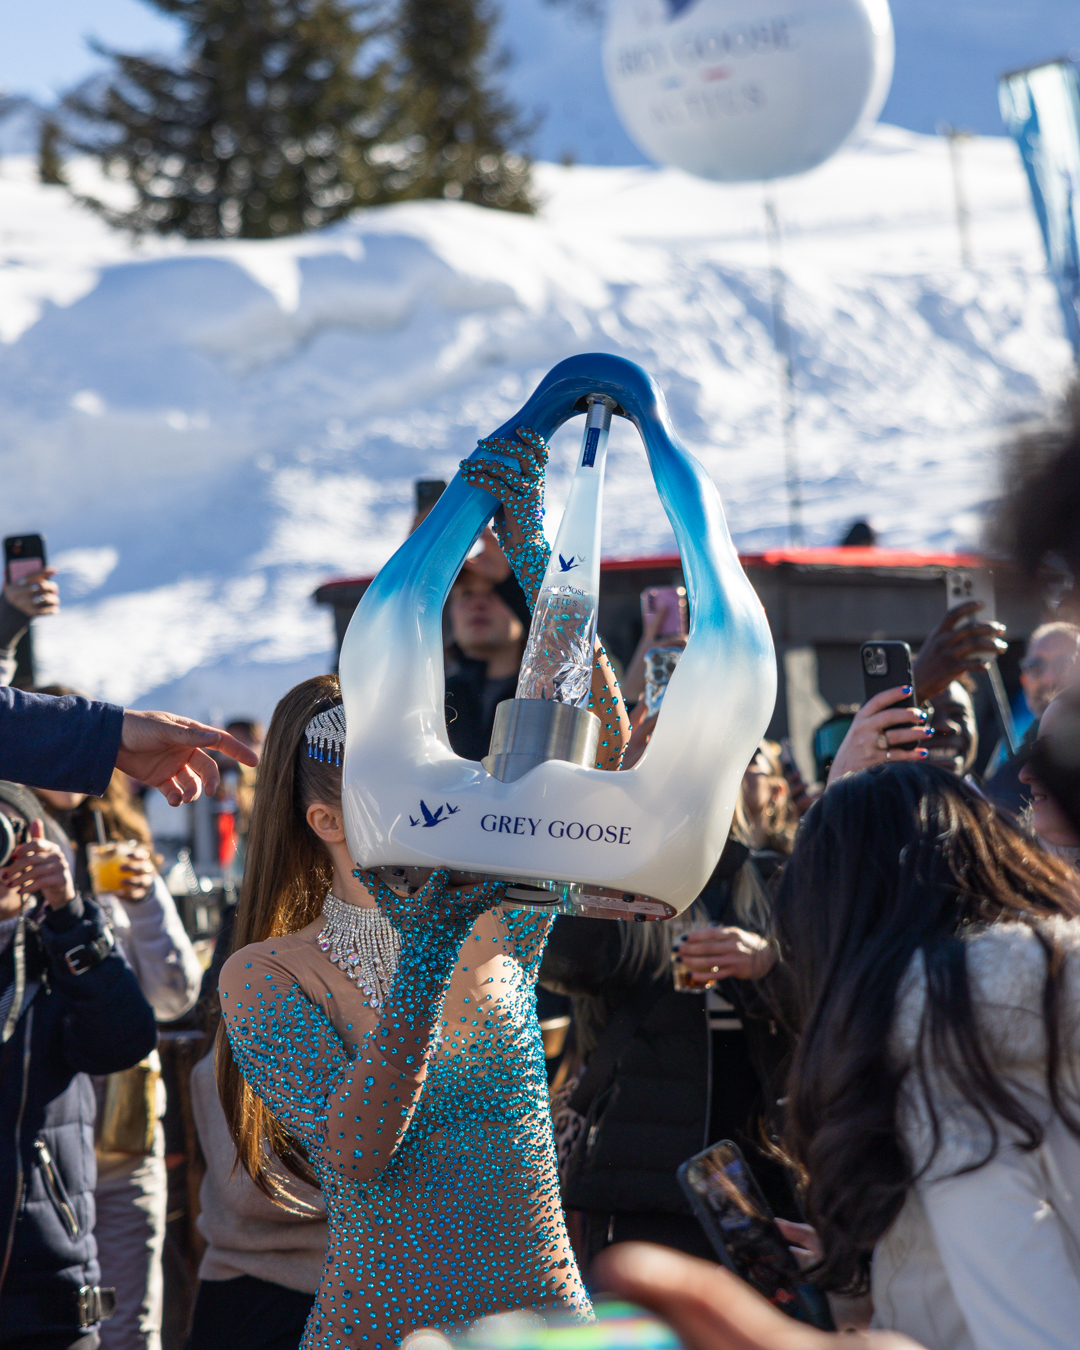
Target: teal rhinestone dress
[[456, 1214]]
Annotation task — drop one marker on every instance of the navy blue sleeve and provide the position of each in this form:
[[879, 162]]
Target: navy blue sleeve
[[66, 743], [109, 1024]]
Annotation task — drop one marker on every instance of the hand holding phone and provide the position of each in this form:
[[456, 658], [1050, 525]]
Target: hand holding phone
[[28, 584], [965, 587], [664, 629], [737, 1220], [664, 611], [888, 665], [882, 732], [24, 554], [966, 639]]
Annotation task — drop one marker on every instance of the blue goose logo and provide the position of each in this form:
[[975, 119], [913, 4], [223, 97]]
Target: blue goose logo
[[430, 818], [565, 566]]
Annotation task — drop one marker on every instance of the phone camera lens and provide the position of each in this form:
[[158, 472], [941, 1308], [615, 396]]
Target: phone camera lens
[[875, 661]]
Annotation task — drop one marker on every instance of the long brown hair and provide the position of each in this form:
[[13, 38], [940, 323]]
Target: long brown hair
[[889, 862], [287, 873]]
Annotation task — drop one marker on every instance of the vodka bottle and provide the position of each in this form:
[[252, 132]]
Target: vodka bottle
[[558, 660]]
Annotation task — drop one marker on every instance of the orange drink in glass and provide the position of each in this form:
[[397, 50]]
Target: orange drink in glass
[[105, 862]]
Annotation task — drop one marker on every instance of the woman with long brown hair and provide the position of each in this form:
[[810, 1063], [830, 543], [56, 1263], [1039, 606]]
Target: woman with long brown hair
[[933, 1102], [388, 1048]]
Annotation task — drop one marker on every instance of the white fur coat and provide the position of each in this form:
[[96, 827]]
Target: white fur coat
[[990, 1260]]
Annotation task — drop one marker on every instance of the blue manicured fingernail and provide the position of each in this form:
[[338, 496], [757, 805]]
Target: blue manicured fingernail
[[928, 731], [906, 689], [923, 754]]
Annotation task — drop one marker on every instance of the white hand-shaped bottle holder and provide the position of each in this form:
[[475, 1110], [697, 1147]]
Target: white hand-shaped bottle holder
[[637, 842]]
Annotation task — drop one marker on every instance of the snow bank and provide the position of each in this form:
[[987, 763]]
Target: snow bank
[[207, 431]]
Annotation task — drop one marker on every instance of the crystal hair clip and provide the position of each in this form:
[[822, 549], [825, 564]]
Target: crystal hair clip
[[325, 735]]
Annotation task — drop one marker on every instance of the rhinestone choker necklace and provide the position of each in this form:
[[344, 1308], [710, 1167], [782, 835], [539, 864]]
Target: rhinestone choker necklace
[[363, 943]]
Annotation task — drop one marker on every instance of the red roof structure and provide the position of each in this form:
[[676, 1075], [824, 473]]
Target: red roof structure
[[774, 557]]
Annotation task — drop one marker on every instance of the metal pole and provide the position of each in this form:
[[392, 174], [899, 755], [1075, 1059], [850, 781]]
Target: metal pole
[[786, 370], [1001, 703], [955, 135]]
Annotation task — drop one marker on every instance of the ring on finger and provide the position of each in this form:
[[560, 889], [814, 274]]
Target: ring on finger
[[882, 741], [888, 755]]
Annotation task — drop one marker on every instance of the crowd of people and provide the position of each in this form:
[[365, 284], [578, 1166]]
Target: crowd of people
[[876, 997]]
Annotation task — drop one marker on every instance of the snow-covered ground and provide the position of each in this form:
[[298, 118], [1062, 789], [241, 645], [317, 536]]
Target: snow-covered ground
[[207, 431]]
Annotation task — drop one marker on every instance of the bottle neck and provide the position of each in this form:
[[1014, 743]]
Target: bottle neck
[[575, 559]]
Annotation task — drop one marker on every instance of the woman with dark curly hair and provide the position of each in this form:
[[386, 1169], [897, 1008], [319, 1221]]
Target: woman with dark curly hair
[[933, 1105]]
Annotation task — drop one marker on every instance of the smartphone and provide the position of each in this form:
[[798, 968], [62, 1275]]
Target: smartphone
[[24, 554], [428, 492], [670, 602], [888, 665], [740, 1225], [962, 586]]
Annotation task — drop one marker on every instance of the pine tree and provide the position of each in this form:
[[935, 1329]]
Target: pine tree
[[455, 132], [263, 128]]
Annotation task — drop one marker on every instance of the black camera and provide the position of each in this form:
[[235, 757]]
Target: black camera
[[12, 834]]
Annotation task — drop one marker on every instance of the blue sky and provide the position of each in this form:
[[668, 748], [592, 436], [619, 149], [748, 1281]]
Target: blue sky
[[43, 42], [949, 55]]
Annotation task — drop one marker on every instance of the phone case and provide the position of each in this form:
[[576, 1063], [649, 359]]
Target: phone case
[[24, 554], [962, 585], [813, 1307], [888, 665], [704, 1216], [672, 601]]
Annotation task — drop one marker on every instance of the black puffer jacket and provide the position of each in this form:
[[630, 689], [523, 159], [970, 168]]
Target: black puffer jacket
[[62, 1027], [658, 1109], [471, 700]]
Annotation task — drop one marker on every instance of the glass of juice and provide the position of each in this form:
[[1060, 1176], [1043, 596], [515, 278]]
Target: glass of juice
[[686, 922], [105, 862]]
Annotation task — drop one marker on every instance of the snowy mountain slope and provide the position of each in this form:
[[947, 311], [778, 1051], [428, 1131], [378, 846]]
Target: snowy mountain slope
[[207, 431]]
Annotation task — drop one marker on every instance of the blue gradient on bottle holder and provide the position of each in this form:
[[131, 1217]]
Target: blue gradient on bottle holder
[[429, 560], [673, 809]]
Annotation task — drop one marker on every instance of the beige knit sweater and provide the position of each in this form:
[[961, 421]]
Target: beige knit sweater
[[245, 1232]]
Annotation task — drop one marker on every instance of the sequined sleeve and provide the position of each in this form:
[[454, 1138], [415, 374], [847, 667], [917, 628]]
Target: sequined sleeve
[[284, 1046], [528, 930], [354, 1113]]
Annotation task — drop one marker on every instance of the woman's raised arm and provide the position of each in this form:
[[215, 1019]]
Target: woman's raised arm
[[353, 1114]]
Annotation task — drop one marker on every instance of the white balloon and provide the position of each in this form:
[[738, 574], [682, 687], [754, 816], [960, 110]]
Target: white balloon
[[734, 90]]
